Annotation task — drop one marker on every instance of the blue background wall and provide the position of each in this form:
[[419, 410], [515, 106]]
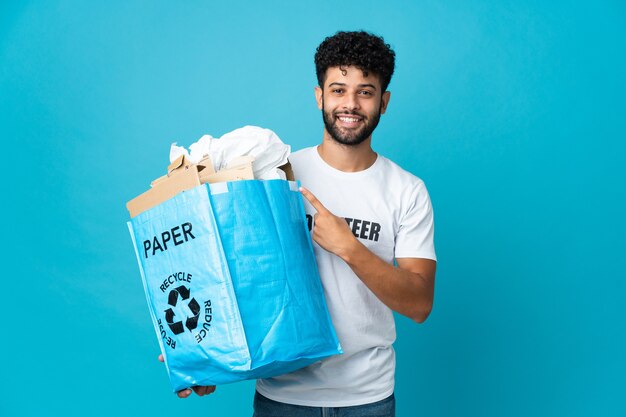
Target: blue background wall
[[512, 112]]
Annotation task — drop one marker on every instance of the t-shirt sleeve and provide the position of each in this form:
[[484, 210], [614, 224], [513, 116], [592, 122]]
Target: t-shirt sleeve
[[415, 238]]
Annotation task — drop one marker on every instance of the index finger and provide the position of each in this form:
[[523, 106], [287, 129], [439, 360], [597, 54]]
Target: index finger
[[317, 205]]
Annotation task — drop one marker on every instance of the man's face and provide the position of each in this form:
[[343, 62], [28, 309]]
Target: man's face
[[351, 104]]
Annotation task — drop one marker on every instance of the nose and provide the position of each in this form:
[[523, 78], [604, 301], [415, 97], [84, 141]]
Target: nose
[[351, 102]]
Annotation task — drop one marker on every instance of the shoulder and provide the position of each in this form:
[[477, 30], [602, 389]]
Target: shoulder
[[406, 189], [301, 155], [395, 174], [303, 162]]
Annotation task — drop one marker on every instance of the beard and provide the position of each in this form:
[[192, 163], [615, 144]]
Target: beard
[[350, 137]]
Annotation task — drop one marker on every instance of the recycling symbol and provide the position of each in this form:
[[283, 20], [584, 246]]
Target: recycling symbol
[[190, 322]]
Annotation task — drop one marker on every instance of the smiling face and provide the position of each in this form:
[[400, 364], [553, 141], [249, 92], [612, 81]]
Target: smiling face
[[351, 104]]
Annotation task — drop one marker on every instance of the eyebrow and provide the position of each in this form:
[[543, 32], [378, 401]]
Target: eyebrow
[[360, 85]]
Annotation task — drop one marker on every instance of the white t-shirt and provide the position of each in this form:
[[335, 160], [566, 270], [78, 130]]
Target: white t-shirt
[[389, 211]]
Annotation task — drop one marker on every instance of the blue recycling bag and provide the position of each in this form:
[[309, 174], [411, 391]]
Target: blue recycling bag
[[232, 284]]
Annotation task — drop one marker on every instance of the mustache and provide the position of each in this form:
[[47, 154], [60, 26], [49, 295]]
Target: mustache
[[349, 113]]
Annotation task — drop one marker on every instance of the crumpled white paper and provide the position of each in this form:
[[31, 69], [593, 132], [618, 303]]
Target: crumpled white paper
[[265, 146]]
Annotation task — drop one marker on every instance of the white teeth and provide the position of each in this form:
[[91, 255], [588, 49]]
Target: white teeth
[[348, 119]]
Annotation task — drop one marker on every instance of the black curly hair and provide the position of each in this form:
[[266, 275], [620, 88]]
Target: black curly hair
[[361, 49]]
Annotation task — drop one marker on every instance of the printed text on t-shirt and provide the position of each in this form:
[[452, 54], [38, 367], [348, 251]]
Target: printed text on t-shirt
[[362, 229]]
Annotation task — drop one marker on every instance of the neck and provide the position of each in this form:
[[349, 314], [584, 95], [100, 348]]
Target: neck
[[344, 157]]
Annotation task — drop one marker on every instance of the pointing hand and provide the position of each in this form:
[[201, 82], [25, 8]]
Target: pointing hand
[[330, 232]]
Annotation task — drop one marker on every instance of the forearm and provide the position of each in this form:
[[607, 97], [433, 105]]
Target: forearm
[[407, 289], [408, 293]]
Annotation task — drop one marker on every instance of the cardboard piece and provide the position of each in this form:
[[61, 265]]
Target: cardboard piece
[[205, 166], [163, 189], [183, 175], [241, 172]]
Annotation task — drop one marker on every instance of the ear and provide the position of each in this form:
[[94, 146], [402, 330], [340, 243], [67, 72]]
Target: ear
[[318, 97], [385, 101]]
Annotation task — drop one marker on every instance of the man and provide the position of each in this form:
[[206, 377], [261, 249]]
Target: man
[[365, 212]]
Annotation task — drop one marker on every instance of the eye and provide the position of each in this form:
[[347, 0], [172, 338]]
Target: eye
[[366, 93], [337, 90]]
